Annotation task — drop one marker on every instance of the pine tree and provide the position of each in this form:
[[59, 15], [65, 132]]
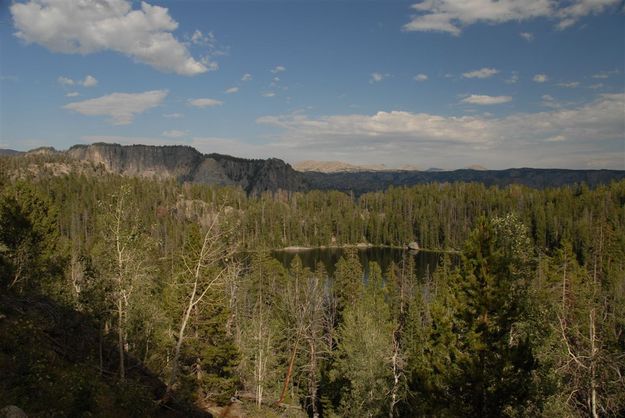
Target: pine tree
[[482, 364]]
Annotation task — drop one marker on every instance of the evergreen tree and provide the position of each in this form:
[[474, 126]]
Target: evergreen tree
[[486, 367], [365, 348]]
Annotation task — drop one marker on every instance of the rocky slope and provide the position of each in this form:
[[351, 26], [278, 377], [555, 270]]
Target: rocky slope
[[187, 164]]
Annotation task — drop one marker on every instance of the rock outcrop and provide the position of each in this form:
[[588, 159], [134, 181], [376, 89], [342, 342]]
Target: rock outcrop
[[187, 164]]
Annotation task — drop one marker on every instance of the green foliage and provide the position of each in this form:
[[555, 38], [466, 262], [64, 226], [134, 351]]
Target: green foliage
[[481, 364], [364, 351], [488, 337], [29, 253]]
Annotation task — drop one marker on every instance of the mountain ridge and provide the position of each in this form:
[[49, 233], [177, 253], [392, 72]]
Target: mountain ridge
[[187, 164]]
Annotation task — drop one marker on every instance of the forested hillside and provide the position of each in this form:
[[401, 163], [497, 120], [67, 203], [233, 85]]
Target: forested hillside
[[183, 308]]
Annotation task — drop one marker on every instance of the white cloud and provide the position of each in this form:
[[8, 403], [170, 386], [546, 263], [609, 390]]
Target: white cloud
[[605, 74], [269, 94], [480, 99], [550, 101], [232, 90], [278, 69], [198, 38], [452, 16], [72, 94], [529, 37], [555, 138], [481, 73], [173, 115], [591, 131], [540, 78], [205, 102], [377, 77], [246, 77], [421, 77], [570, 85], [89, 81], [174, 133], [64, 81], [120, 107], [91, 26]]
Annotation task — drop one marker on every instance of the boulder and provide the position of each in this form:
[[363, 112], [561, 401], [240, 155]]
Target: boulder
[[12, 411]]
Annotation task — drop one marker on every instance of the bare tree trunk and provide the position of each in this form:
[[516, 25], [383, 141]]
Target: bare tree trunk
[[120, 339], [312, 380], [593, 367], [183, 325], [120, 282], [396, 375], [208, 255], [260, 370], [289, 371]]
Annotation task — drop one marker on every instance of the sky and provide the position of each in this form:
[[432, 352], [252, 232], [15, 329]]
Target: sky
[[433, 83]]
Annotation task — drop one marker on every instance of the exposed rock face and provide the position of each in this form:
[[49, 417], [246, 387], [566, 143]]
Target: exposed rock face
[[141, 160], [260, 175], [187, 164]]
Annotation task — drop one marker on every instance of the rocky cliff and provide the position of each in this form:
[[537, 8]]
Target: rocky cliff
[[187, 164]]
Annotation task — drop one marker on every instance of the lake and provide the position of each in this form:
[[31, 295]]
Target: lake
[[425, 261]]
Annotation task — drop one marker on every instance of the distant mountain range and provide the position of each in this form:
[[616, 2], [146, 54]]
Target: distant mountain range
[[255, 176], [342, 167]]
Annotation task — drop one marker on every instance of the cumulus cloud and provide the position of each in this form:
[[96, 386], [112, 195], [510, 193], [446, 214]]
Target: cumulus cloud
[[451, 16], [64, 81], [175, 133], [421, 77], [481, 73], [377, 77], [588, 130], [269, 94], [246, 77], [278, 69], [540, 78], [89, 81], [90, 26], [205, 102], [480, 99], [528, 36], [72, 94], [232, 90], [120, 107]]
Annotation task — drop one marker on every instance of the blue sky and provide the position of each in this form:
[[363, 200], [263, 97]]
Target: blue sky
[[445, 83]]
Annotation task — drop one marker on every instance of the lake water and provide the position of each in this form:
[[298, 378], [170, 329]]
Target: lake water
[[425, 262]]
